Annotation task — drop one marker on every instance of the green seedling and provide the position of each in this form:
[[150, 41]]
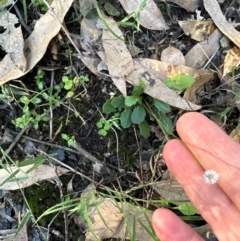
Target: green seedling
[[133, 110], [31, 103], [40, 4], [105, 125], [135, 23], [71, 84], [70, 140]]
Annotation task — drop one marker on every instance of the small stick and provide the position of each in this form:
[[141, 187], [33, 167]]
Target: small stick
[[19, 135], [21, 19], [51, 109]]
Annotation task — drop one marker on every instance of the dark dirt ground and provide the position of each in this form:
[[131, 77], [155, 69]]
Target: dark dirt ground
[[131, 146]]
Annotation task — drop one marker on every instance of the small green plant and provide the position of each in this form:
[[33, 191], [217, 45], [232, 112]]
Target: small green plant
[[136, 18], [70, 84], [41, 5], [70, 140], [133, 110], [31, 103], [38, 78], [104, 125]]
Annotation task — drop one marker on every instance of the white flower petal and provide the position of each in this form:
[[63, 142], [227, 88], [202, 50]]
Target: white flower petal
[[211, 176]]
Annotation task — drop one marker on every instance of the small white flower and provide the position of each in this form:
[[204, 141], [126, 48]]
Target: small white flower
[[211, 176]]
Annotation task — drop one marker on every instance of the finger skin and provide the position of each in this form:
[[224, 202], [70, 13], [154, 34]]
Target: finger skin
[[214, 149], [210, 200], [170, 227]]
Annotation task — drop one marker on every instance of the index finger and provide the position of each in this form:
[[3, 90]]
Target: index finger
[[213, 149]]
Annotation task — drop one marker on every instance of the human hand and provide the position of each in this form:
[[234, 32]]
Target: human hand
[[219, 204]]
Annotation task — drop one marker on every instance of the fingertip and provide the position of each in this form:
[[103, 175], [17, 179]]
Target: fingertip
[[159, 218], [187, 119], [169, 226]]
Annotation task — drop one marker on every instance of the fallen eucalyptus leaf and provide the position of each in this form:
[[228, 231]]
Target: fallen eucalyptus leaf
[[26, 177], [36, 44], [198, 55], [189, 5], [172, 55], [232, 60], [150, 16], [198, 30], [214, 10]]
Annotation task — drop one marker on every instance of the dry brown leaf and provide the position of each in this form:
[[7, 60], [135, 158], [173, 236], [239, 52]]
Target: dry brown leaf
[[113, 219], [198, 30], [170, 189], [132, 214], [232, 60], [153, 73], [150, 16], [189, 5], [35, 46], [172, 55], [22, 234], [214, 10], [41, 173], [106, 218], [122, 68], [118, 58], [201, 52], [11, 40], [89, 34], [200, 80]]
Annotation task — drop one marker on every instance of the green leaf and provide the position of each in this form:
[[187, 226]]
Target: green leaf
[[115, 123], [144, 129], [180, 82], [167, 123], [187, 209], [68, 85], [46, 118], [36, 100], [65, 79], [65, 136], [137, 91], [70, 94], [99, 124], [35, 125], [102, 132], [70, 142], [138, 114], [91, 14], [23, 222], [25, 109], [161, 106], [125, 118], [107, 126], [118, 102], [108, 107], [131, 100], [111, 10], [24, 100], [45, 95], [39, 84]]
